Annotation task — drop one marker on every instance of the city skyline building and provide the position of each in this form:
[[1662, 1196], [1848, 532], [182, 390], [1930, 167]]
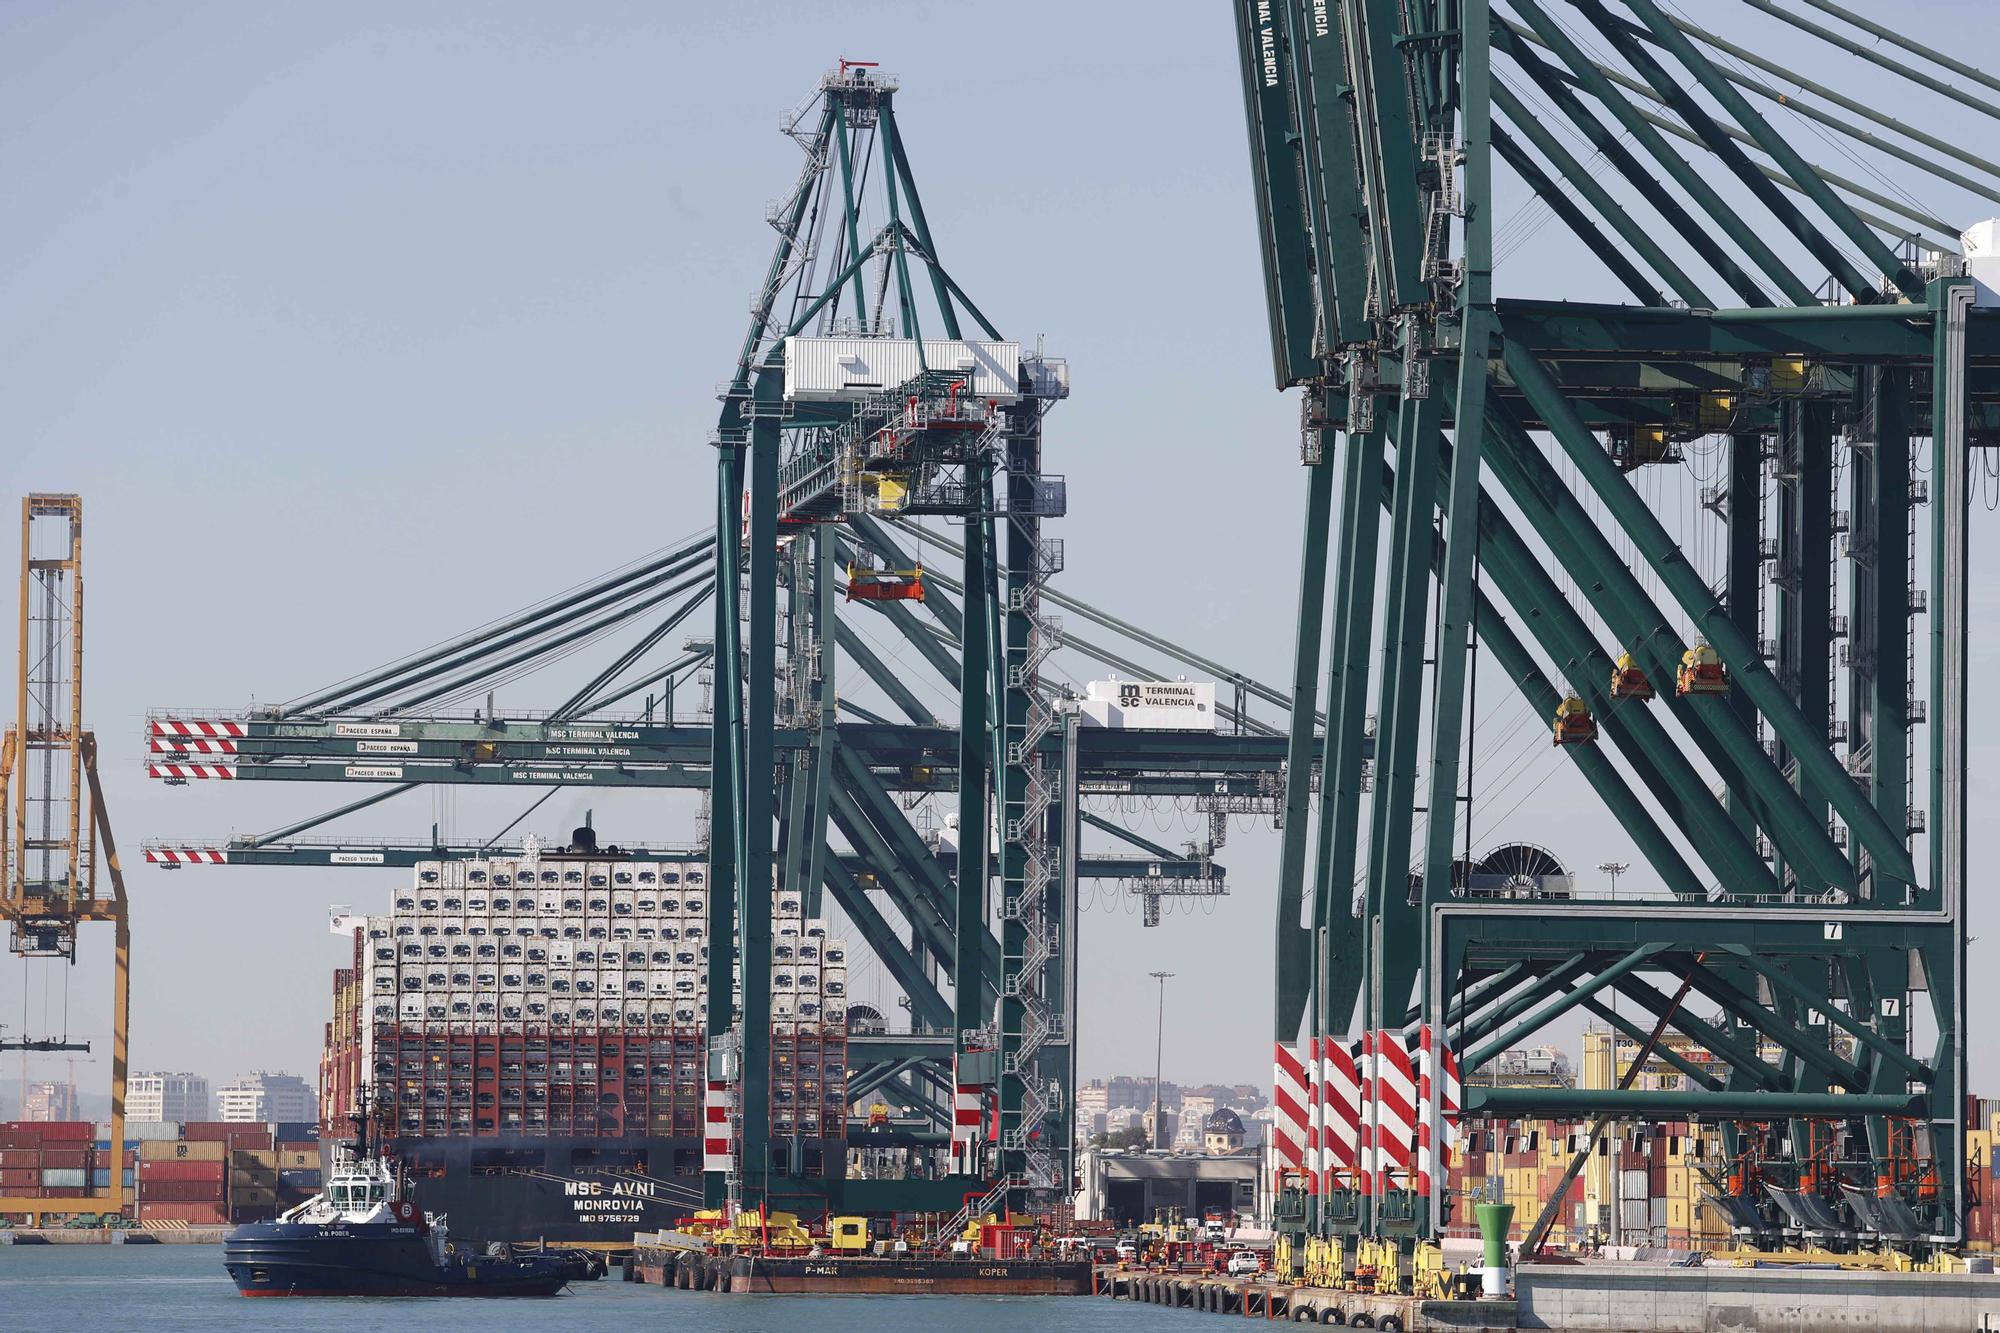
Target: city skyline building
[[157, 1095], [266, 1096]]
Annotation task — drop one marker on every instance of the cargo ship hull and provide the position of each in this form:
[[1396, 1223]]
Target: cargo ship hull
[[587, 1191]]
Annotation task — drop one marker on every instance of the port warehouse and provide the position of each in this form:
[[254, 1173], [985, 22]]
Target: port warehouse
[[197, 1173]]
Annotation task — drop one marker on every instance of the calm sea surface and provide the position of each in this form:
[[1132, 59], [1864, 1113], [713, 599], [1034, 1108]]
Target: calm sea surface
[[145, 1288]]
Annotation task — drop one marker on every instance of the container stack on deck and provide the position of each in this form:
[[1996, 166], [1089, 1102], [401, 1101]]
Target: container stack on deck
[[514, 997], [547, 1014], [808, 1050]]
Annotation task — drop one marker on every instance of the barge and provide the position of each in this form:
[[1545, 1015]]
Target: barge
[[812, 1275]]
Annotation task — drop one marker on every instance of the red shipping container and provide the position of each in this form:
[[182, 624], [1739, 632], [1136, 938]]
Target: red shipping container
[[14, 1158], [14, 1138], [208, 1131], [182, 1169], [14, 1178], [254, 1139], [68, 1131], [65, 1157]]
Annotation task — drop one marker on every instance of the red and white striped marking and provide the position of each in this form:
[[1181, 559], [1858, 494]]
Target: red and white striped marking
[[160, 745], [1439, 1095], [1364, 1153], [968, 1129], [1340, 1122], [206, 730], [1315, 1153], [186, 771], [1394, 1093], [1288, 1109], [186, 856], [718, 1141]]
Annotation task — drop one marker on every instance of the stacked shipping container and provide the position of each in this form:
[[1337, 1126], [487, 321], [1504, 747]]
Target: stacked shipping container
[[808, 1046], [202, 1173], [1663, 1190], [50, 1159], [569, 996]]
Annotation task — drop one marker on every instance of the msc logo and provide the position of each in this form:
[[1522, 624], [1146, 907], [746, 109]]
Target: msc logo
[[1128, 696]]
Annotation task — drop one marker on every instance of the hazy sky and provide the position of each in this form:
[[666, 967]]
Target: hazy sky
[[356, 325]]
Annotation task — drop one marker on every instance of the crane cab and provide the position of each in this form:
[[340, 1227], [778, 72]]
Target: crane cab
[[1573, 723], [885, 585], [1628, 680], [1701, 672]]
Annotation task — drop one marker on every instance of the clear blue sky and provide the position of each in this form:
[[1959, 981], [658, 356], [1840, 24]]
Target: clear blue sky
[[359, 324]]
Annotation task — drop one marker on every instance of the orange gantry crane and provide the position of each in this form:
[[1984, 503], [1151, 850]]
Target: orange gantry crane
[[55, 833]]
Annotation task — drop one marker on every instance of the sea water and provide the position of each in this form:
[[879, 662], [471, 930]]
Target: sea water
[[162, 1288]]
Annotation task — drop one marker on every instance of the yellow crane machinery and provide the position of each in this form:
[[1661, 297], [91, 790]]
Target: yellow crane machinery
[[55, 834], [1702, 671], [1628, 680], [1573, 724]]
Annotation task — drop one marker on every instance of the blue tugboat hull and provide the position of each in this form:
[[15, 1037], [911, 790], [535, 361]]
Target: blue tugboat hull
[[373, 1259]]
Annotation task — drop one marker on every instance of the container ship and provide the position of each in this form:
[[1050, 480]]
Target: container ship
[[529, 1034]]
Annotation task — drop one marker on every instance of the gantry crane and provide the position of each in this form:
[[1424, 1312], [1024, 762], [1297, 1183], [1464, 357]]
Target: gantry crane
[[56, 833], [982, 947], [1768, 781]]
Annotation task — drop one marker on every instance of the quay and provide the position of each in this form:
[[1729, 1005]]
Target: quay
[[1256, 1298], [184, 1235], [1606, 1298]]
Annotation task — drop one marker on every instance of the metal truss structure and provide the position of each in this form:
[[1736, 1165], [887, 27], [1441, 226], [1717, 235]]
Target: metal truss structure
[[55, 831], [822, 759], [1757, 748]]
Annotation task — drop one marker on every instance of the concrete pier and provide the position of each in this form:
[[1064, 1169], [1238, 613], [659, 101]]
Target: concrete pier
[[1608, 1298], [1624, 1298], [1262, 1299]]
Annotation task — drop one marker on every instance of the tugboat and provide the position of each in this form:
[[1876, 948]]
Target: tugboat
[[362, 1237]]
